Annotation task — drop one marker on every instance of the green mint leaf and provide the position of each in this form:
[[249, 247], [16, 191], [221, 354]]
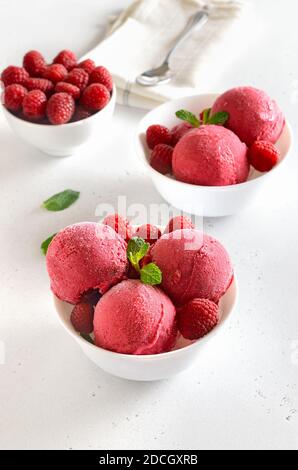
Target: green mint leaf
[[87, 338], [61, 201], [206, 115], [137, 248], [219, 118], [189, 117], [45, 245], [151, 274]]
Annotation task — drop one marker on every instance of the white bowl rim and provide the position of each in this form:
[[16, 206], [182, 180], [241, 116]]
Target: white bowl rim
[[138, 357], [229, 187], [60, 126]]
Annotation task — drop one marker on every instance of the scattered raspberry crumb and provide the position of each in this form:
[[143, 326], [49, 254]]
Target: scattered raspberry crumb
[[14, 75], [95, 97], [34, 63], [63, 87], [60, 108], [102, 75], [197, 318], [34, 105], [82, 318], [178, 223], [55, 72], [14, 96], [66, 58], [263, 155], [161, 158], [157, 134]]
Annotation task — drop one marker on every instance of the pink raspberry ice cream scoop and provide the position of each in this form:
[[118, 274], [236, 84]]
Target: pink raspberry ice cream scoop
[[210, 156], [253, 115], [85, 256], [193, 265], [135, 318]]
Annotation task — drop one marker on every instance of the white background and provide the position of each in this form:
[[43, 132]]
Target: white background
[[242, 391]]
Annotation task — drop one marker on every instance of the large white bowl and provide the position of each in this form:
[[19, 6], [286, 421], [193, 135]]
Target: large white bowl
[[149, 367], [62, 140], [210, 201]]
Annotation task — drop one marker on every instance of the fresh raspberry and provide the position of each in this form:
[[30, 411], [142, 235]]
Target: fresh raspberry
[[179, 131], [95, 97], [55, 72], [263, 155], [39, 84], [150, 233], [80, 113], [121, 225], [197, 318], [161, 158], [88, 65], [91, 297], [60, 108], [63, 87], [78, 77], [14, 96], [178, 223], [34, 63], [34, 105], [102, 75], [66, 58], [82, 318], [14, 75], [157, 134]]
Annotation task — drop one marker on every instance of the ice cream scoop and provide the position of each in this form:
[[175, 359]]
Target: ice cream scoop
[[135, 318], [193, 265], [253, 115], [85, 256], [210, 156]]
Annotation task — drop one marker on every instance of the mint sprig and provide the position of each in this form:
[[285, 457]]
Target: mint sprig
[[137, 248], [45, 244], [151, 274], [188, 117], [61, 201], [219, 118], [206, 115]]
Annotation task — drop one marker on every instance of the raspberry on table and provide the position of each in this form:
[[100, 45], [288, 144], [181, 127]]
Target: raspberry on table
[[14, 75], [34, 63], [102, 75], [95, 97], [64, 87], [178, 223], [157, 134], [179, 131], [263, 155], [80, 113], [82, 317], [39, 84], [34, 105], [87, 64], [197, 318], [14, 96], [121, 225], [78, 77], [150, 233], [60, 108], [66, 58], [161, 158], [55, 72]]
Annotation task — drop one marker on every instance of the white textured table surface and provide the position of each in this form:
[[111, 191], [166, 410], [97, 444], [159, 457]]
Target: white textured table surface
[[243, 390]]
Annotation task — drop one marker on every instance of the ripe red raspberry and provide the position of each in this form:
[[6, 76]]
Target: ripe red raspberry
[[95, 97], [55, 72], [14, 75], [102, 75], [34, 105], [88, 65], [66, 58], [60, 108], [157, 134], [34, 63], [178, 223], [14, 96], [80, 113], [82, 318], [63, 87], [121, 225], [197, 318], [150, 233], [161, 158], [179, 131], [78, 77], [263, 155], [40, 84]]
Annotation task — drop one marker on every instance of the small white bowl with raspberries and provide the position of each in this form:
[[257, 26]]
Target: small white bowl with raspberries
[[56, 107]]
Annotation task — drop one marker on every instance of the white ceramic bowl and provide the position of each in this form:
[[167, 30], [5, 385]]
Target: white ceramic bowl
[[64, 139], [210, 201], [149, 367]]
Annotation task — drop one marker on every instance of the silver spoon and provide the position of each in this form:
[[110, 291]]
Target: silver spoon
[[163, 74]]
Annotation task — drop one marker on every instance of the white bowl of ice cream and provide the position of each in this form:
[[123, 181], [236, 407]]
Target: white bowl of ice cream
[[202, 199], [135, 324]]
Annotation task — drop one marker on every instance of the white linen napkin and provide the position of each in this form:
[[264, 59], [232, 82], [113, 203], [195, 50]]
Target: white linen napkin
[[141, 36]]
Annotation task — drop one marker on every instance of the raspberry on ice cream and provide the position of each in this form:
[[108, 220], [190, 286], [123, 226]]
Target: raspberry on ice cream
[[193, 264], [85, 256], [253, 115], [210, 156], [135, 318], [197, 318]]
